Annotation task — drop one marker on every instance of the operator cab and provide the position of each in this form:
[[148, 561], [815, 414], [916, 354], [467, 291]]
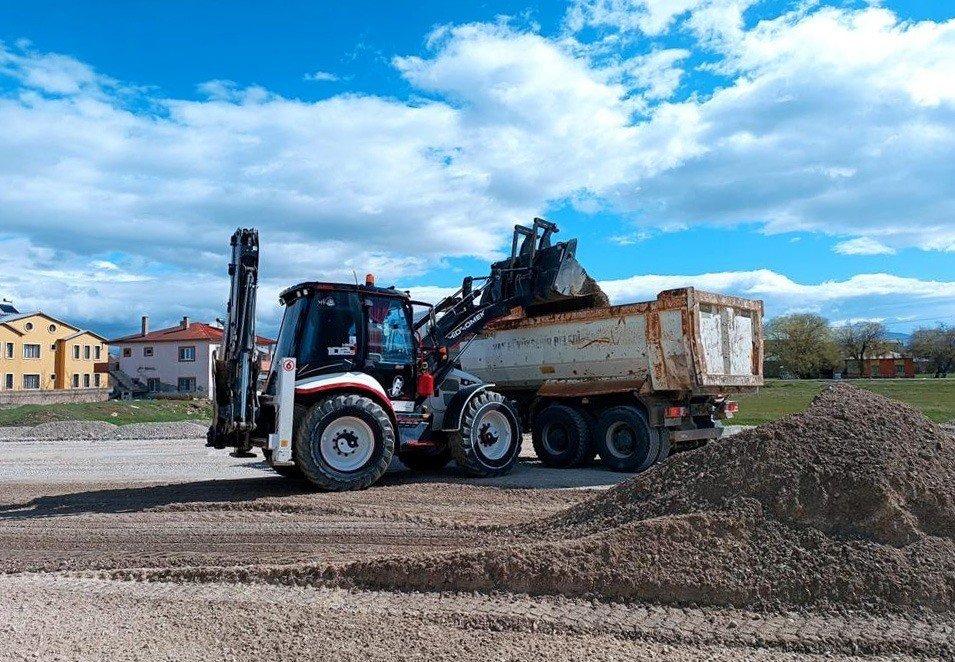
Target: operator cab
[[335, 328]]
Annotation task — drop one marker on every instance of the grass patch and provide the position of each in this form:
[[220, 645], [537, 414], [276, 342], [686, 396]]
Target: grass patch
[[933, 397], [120, 412]]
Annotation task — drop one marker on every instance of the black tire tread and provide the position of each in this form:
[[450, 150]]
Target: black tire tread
[[616, 463], [459, 441], [581, 452], [315, 472]]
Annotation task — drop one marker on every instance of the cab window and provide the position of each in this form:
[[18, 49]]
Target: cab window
[[390, 339]]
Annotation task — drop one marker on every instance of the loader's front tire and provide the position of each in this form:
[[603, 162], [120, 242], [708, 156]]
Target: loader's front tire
[[488, 442], [344, 442], [625, 441], [561, 437]]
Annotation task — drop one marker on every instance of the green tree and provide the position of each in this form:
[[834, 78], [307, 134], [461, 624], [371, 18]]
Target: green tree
[[936, 346], [861, 340], [802, 343]]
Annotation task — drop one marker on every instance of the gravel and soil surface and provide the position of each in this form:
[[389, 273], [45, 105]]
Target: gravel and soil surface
[[814, 535], [103, 431]]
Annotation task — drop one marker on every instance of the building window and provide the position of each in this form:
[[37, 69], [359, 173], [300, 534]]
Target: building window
[[31, 382], [127, 352], [28, 326], [86, 381], [53, 347], [187, 385], [31, 351], [187, 354], [96, 381], [153, 384], [9, 352], [52, 328], [86, 352], [76, 351], [97, 352], [147, 351], [76, 381], [8, 382]]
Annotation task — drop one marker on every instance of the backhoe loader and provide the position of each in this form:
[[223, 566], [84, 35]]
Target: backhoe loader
[[355, 379]]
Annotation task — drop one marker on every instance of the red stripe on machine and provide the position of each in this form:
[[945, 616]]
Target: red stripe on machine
[[337, 386]]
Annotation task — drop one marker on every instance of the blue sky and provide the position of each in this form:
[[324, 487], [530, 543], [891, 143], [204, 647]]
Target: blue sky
[[799, 152]]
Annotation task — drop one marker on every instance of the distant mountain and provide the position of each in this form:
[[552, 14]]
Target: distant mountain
[[903, 338]]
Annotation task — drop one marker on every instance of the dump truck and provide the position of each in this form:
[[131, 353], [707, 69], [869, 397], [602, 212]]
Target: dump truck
[[630, 383]]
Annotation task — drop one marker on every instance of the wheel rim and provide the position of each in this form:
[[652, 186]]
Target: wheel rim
[[555, 438], [347, 443], [622, 440], [493, 430]]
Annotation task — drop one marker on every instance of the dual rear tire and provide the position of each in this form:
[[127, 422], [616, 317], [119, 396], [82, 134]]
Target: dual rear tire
[[625, 441], [565, 436], [562, 437]]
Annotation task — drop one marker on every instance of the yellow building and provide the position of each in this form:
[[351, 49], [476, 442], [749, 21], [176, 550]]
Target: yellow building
[[42, 353]]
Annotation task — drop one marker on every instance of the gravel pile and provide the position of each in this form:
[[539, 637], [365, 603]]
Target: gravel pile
[[78, 430], [177, 430], [851, 503], [102, 431]]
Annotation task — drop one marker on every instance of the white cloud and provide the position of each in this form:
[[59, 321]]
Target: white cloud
[[860, 296], [862, 246], [838, 121], [322, 77], [707, 18]]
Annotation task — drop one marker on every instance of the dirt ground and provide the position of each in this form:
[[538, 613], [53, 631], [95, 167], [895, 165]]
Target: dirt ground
[[78, 519]]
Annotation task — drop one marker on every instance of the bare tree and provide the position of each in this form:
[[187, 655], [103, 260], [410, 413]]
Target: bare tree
[[860, 340], [802, 343], [936, 346]]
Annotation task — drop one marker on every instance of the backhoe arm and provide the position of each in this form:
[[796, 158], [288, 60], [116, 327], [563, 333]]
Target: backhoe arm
[[236, 367]]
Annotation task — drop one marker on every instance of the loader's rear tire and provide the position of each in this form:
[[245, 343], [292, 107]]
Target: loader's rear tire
[[561, 437], [488, 443], [344, 442], [429, 460], [625, 441]]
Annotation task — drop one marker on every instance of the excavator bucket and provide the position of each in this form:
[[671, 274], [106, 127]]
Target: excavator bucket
[[541, 274]]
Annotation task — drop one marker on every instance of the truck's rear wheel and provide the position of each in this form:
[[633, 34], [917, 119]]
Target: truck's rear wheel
[[625, 441], [426, 459], [345, 442], [488, 442], [561, 437]]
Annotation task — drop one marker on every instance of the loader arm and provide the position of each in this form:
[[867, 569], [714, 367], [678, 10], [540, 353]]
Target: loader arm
[[536, 273], [236, 366]]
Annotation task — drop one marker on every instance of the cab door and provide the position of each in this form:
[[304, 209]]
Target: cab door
[[390, 348]]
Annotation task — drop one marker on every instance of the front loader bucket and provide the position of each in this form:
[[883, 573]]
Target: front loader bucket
[[542, 275]]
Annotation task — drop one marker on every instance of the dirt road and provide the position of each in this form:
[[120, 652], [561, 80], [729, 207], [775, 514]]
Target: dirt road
[[77, 518]]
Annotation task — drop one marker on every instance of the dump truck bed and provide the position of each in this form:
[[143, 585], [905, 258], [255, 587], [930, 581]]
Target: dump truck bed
[[686, 341]]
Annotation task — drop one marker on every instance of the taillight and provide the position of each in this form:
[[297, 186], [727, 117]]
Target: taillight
[[675, 412]]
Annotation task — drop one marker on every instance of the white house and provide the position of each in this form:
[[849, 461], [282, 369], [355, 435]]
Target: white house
[[176, 359]]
